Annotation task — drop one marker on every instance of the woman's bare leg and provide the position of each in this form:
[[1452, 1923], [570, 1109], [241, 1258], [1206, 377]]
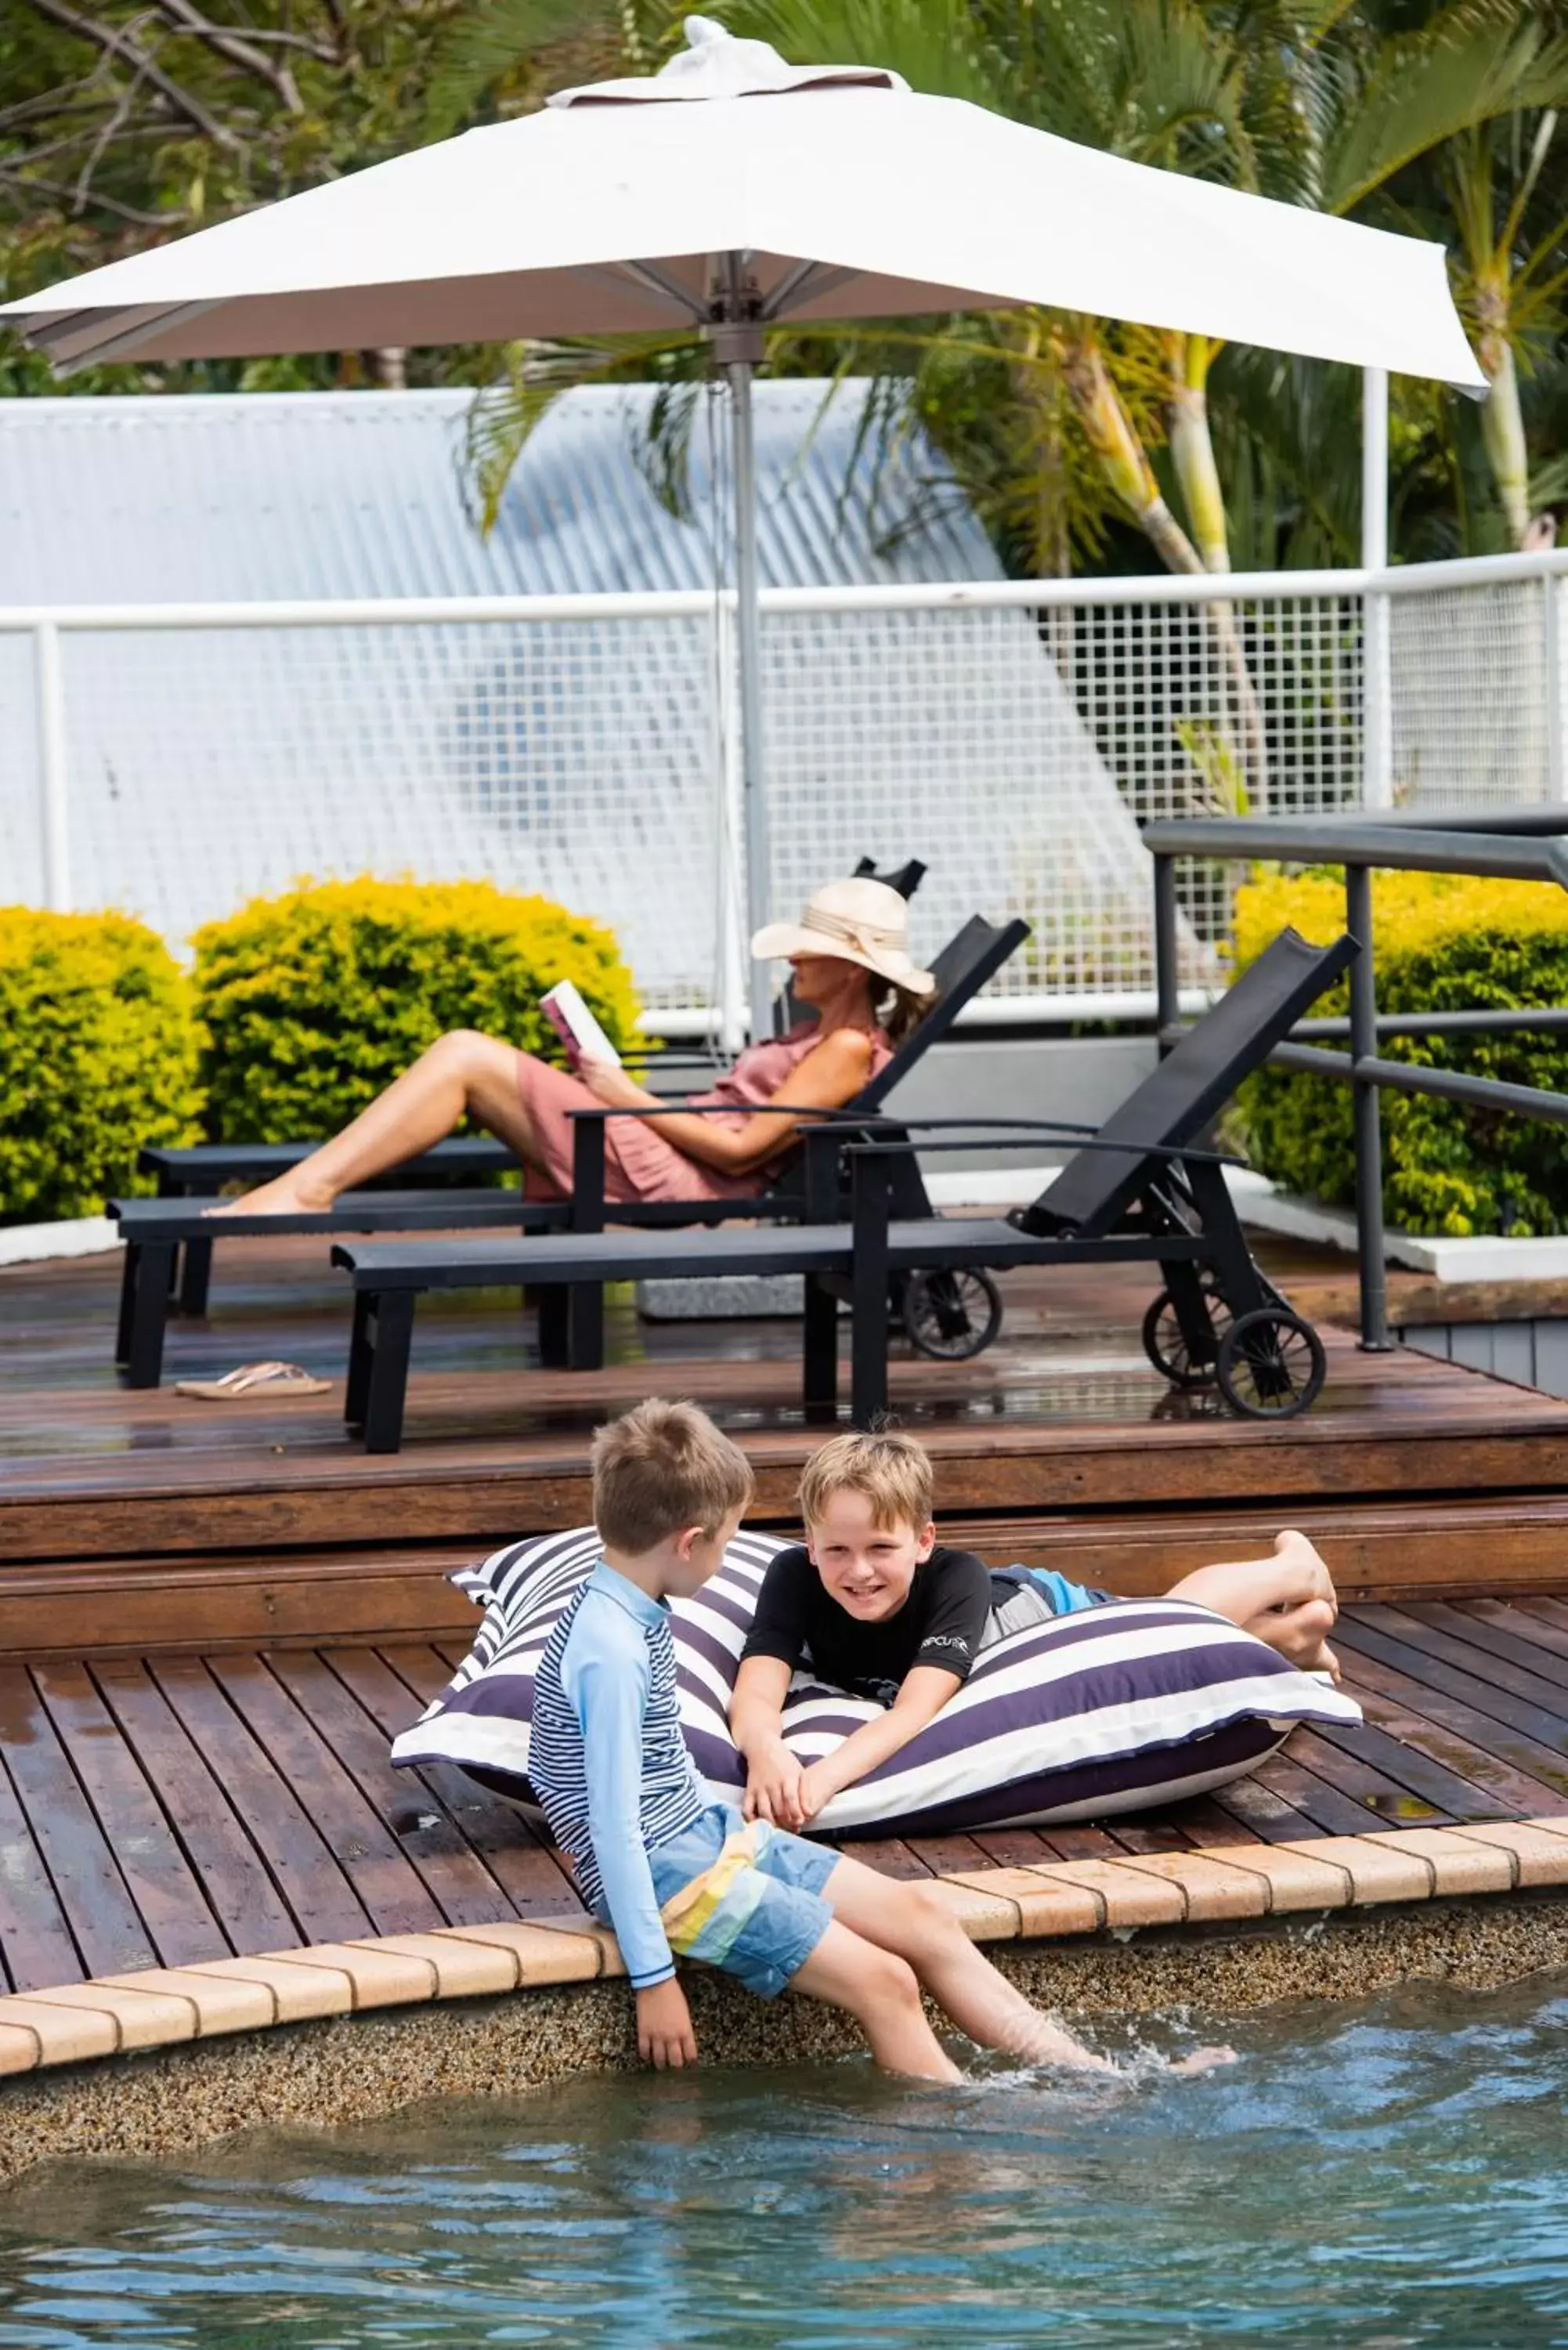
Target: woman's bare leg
[[460, 1072], [1287, 1600]]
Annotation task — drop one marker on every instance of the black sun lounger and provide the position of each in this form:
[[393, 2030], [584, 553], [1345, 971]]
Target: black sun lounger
[[1143, 1189], [571, 1319]]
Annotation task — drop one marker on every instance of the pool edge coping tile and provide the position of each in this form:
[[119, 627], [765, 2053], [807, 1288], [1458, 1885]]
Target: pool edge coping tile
[[45, 2028]]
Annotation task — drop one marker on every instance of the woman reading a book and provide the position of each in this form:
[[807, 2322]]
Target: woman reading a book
[[853, 973]]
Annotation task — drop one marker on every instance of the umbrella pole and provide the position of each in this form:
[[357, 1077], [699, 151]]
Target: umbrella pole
[[737, 349]]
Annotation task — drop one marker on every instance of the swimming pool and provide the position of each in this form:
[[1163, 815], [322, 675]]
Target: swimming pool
[[1375, 2177]]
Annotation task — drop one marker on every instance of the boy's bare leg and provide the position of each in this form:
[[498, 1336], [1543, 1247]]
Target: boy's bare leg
[[1287, 1600], [880, 1992], [464, 1071], [915, 1923]]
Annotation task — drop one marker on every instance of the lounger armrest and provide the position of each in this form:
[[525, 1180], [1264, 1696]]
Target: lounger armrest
[[752, 1109], [589, 1149], [994, 1141]]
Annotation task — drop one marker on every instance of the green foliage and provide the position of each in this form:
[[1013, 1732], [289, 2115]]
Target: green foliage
[[310, 1003], [124, 124], [1443, 944], [97, 1059]]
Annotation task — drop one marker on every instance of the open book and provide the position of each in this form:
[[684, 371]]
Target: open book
[[575, 1026]]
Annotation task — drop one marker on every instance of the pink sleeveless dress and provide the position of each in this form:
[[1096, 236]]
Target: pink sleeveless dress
[[640, 1163]]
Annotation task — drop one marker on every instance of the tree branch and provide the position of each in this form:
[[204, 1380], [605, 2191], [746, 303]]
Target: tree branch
[[115, 42], [70, 98], [324, 52], [28, 181], [187, 18], [95, 154]]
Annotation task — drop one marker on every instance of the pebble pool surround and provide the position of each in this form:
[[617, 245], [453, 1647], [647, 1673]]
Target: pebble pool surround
[[161, 2062]]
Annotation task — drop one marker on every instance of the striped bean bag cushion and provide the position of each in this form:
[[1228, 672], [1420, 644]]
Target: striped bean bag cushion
[[1141, 1702]]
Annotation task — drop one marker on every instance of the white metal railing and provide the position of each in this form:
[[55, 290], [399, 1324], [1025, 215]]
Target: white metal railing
[[177, 759]]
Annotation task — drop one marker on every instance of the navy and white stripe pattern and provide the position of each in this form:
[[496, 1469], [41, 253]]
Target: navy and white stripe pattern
[[673, 1796], [1144, 1702]]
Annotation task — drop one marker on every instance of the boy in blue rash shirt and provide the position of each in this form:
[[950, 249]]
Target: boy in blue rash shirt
[[674, 1871]]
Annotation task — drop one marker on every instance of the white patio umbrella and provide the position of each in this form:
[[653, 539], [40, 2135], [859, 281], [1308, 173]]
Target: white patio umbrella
[[763, 192]]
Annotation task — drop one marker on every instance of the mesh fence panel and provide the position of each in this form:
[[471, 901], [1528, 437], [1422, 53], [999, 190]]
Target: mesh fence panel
[[1471, 715], [21, 831], [1251, 706], [1015, 749], [950, 736], [208, 765]]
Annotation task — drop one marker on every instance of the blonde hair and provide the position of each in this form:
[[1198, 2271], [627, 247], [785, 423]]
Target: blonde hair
[[893, 1472], [661, 1468]]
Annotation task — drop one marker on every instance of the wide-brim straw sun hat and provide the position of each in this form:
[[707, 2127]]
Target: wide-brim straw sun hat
[[859, 922]]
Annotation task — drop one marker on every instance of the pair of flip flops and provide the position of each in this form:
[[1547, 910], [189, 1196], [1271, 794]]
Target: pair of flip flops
[[254, 1378]]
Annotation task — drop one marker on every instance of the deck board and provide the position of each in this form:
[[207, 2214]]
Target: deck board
[[145, 1520], [319, 1900], [172, 1808], [104, 1924]]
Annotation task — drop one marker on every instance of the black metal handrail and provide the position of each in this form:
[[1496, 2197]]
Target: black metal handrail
[[1518, 844]]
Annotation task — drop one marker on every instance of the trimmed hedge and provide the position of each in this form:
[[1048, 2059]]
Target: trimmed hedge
[[307, 1005], [97, 1058], [1442, 943]]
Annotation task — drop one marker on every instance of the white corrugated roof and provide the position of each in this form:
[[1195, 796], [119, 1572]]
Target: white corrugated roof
[[213, 498]]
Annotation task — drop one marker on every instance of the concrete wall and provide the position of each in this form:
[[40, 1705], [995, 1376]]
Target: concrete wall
[[1077, 1078]]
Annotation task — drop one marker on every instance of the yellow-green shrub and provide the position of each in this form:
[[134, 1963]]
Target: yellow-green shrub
[[97, 1059], [1441, 943], [310, 1003]]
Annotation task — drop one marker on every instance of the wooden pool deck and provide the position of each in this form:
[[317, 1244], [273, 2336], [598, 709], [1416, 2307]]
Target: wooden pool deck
[[214, 1619], [167, 1811]]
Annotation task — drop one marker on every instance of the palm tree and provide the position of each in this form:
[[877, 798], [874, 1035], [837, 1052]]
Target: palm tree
[[1510, 291]]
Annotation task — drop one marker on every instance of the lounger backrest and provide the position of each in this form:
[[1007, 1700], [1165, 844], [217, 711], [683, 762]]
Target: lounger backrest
[[907, 878], [961, 970], [1179, 1099]]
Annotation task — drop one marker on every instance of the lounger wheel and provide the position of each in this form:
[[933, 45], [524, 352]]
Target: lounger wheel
[[952, 1316], [1272, 1365], [1165, 1342]]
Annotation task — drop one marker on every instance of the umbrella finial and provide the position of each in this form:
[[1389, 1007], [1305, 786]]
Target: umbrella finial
[[716, 63]]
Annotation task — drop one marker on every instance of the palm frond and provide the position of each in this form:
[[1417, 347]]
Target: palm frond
[[487, 45], [1462, 69], [936, 45], [503, 419]]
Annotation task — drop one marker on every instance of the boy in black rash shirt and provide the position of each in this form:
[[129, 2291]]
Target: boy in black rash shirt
[[875, 1604]]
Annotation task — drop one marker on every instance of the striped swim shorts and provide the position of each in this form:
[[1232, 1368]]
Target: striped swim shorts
[[743, 1896]]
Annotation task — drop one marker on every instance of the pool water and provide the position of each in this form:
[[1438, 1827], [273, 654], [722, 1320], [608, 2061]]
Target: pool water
[[1394, 2174]]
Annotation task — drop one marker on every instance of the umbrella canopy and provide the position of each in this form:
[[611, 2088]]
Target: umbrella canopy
[[848, 194]]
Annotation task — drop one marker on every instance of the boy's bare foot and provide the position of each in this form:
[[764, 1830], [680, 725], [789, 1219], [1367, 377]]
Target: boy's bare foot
[[1325, 1661], [1293, 1546], [283, 1196], [1204, 2060]]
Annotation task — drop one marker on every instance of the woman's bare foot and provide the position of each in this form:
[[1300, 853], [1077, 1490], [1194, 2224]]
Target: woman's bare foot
[[285, 1195]]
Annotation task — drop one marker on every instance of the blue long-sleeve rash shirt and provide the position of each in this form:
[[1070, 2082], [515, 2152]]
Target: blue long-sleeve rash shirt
[[607, 1761]]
